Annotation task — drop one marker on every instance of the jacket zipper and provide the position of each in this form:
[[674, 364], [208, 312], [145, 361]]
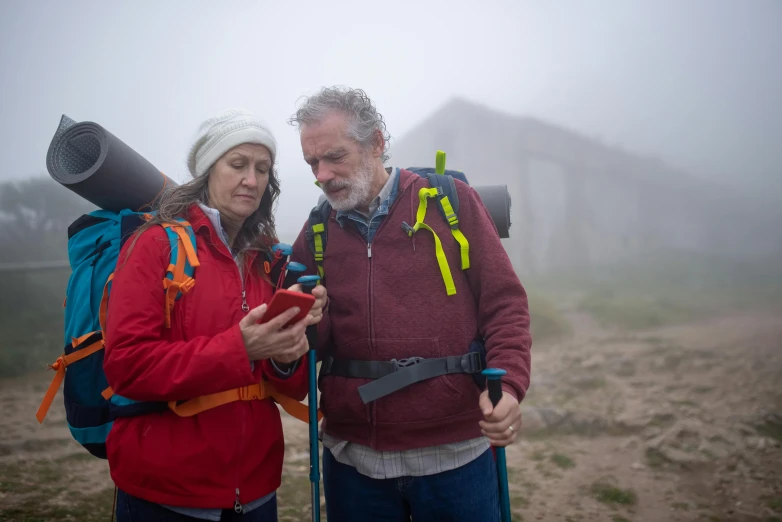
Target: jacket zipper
[[372, 435], [371, 337], [245, 308], [238, 508]]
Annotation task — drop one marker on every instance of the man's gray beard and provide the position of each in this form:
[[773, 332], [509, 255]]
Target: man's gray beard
[[358, 188]]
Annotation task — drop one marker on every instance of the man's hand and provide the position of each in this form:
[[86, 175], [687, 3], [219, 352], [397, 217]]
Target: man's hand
[[321, 299], [502, 423]]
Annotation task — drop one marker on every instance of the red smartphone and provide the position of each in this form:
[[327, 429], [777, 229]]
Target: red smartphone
[[285, 300]]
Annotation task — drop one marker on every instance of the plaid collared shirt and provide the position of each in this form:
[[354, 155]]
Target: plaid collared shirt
[[394, 464]]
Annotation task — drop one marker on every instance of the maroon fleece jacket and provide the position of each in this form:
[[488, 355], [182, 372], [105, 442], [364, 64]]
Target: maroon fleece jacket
[[393, 304]]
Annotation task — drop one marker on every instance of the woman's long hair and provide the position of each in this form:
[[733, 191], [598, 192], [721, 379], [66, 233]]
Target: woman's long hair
[[258, 232]]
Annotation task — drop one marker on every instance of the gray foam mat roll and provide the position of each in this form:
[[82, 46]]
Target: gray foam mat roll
[[497, 200], [101, 168]]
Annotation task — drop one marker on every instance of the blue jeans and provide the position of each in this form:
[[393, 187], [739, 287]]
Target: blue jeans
[[465, 494], [134, 509]]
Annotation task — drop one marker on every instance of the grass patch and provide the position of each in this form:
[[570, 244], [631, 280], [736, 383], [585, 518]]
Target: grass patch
[[547, 322], [637, 312], [294, 498], [589, 383], [562, 461], [655, 459], [84, 508], [538, 456], [771, 427], [618, 518], [774, 503], [664, 288], [42, 492], [606, 492]]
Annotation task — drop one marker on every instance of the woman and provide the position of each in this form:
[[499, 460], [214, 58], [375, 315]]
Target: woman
[[224, 463]]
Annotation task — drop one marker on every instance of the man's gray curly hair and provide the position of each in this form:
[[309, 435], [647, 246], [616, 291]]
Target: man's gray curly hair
[[365, 120]]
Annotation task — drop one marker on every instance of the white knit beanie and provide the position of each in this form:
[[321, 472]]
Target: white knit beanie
[[218, 135]]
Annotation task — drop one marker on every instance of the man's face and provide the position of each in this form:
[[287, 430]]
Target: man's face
[[342, 166]]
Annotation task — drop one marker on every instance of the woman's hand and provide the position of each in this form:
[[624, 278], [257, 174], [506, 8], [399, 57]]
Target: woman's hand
[[321, 298], [270, 340]]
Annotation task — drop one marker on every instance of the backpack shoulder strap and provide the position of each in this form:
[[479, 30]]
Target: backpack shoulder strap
[[181, 267], [317, 234], [448, 205]]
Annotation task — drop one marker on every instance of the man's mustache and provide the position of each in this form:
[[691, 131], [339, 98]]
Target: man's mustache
[[334, 184]]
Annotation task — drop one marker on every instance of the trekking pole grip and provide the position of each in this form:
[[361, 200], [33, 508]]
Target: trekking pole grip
[[292, 274], [494, 384], [308, 283]]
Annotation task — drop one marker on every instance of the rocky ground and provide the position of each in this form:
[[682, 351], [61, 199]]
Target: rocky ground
[[678, 423]]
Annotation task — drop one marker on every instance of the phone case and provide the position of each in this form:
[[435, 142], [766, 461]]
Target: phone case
[[286, 299]]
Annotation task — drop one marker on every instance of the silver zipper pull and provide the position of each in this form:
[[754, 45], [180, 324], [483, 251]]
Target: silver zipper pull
[[369, 250], [238, 505], [245, 309]]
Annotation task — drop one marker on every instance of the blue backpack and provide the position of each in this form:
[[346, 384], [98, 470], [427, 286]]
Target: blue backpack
[[94, 243]]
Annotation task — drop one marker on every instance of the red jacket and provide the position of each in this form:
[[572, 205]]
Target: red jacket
[[199, 461], [394, 305]]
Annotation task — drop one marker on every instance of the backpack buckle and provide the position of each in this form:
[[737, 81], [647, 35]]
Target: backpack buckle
[[405, 363], [471, 362]]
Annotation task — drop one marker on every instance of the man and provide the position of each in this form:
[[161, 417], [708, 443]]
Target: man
[[422, 450]]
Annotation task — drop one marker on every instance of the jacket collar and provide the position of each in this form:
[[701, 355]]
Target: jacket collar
[[201, 222]]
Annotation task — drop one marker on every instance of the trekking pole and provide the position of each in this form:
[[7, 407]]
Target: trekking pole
[[307, 284], [293, 271], [494, 383]]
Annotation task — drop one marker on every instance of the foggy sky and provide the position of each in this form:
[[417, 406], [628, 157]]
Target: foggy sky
[[696, 83]]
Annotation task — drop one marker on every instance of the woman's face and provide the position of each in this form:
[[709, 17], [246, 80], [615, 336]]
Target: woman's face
[[238, 180]]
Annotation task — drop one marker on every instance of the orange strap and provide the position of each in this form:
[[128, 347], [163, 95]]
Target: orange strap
[[172, 287], [104, 305], [185, 242], [59, 366], [259, 391], [179, 282]]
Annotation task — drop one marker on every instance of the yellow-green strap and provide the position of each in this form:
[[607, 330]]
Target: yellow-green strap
[[439, 162], [453, 221], [445, 270], [423, 195], [464, 247], [318, 230]]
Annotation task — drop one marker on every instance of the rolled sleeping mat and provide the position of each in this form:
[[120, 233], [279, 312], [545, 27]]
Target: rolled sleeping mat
[[101, 168], [496, 199]]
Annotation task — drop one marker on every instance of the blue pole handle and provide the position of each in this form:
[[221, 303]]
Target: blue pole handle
[[307, 284], [494, 384], [285, 248], [293, 272]]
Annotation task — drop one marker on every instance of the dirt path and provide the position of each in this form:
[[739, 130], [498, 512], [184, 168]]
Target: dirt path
[[678, 423]]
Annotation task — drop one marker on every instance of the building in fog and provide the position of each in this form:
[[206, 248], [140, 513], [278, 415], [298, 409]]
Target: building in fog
[[579, 202]]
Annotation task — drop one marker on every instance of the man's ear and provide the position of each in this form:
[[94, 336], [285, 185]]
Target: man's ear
[[378, 144]]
